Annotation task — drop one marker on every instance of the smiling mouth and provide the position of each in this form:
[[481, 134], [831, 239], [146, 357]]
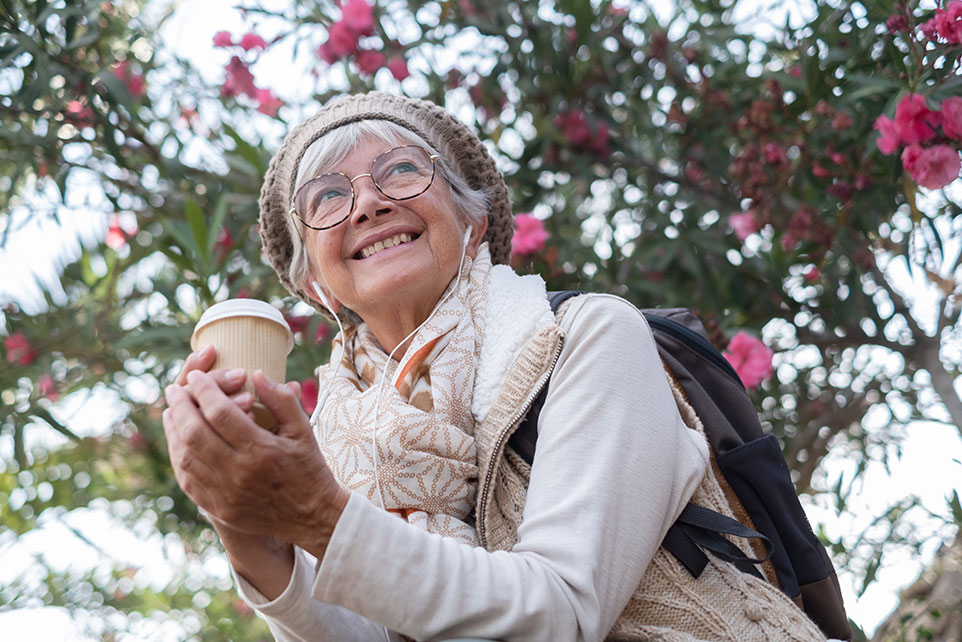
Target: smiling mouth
[[383, 244]]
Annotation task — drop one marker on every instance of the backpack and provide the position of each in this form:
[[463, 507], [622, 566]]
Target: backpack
[[754, 476]]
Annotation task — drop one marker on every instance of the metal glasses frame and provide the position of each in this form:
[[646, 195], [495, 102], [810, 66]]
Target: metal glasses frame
[[434, 171]]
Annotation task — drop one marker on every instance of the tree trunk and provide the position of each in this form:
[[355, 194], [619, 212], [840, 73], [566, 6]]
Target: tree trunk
[[931, 608]]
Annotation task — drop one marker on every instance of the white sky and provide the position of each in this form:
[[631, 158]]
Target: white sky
[[932, 454]]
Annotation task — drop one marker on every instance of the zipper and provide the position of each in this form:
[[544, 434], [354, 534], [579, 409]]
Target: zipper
[[695, 342], [542, 382]]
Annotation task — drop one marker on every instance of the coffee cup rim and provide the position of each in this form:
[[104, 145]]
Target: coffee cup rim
[[245, 308]]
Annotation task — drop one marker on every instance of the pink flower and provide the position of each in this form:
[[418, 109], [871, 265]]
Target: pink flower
[[19, 350], [751, 359], [888, 139], [529, 235], [399, 68], [47, 388], [116, 238], [324, 53], [795, 71], [369, 61], [297, 322], [223, 39], [79, 112], [897, 23], [821, 172], [929, 30], [812, 275], [915, 121], [341, 41], [322, 332], [948, 22], [932, 167], [358, 15], [133, 81], [774, 154], [309, 395], [225, 240], [268, 102], [251, 40], [743, 224], [238, 80], [574, 126], [952, 117]]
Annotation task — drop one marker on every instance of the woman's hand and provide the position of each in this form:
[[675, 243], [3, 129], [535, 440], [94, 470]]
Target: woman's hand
[[248, 479]]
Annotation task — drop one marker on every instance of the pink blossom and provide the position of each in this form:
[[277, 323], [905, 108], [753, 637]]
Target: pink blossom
[[225, 241], [341, 40], [297, 322], [888, 139], [223, 39], [116, 238], [915, 121], [751, 359], [324, 53], [268, 103], [743, 224], [529, 235], [309, 395], [322, 332], [775, 154], [399, 68], [358, 15], [238, 80], [133, 81], [369, 61], [574, 126], [948, 22], [812, 275], [821, 172], [795, 71], [932, 167], [929, 30], [897, 23], [251, 40], [952, 117], [79, 112], [19, 350], [47, 388]]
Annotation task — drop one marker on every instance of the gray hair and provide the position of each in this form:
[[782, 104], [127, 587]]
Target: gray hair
[[333, 147]]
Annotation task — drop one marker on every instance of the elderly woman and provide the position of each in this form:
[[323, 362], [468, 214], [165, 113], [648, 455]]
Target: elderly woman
[[408, 514]]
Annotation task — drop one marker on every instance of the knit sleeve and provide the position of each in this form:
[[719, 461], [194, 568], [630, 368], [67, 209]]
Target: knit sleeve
[[614, 467]]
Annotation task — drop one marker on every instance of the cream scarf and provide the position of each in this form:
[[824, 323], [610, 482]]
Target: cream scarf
[[417, 422]]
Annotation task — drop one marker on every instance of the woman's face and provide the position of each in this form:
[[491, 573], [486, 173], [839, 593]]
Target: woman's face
[[424, 233]]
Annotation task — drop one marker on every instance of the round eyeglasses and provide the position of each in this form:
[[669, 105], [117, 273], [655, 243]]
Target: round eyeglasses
[[399, 174]]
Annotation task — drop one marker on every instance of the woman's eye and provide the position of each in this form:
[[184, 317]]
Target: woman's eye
[[403, 167], [329, 194]]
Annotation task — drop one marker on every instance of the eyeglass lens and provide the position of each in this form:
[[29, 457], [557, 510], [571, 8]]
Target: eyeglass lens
[[400, 173]]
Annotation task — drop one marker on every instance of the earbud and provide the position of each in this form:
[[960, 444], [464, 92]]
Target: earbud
[[322, 297], [467, 235]]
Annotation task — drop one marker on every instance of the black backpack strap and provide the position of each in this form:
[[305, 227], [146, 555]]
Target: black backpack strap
[[525, 438], [699, 528]]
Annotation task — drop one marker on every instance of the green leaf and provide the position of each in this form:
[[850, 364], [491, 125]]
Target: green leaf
[[198, 227], [956, 507]]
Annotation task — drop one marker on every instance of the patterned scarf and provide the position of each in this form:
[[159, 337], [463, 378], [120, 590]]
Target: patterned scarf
[[424, 439]]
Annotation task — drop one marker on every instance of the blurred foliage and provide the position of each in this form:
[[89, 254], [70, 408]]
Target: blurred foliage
[[633, 133]]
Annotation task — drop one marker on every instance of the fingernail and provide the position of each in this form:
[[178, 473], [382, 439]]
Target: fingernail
[[235, 375], [192, 376]]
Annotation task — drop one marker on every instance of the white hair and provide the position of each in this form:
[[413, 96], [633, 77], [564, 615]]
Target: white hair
[[333, 147]]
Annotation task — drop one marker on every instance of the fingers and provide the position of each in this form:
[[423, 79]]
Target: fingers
[[201, 360], [227, 418], [192, 446], [284, 403]]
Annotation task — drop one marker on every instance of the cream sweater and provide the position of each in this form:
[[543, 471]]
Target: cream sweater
[[615, 466]]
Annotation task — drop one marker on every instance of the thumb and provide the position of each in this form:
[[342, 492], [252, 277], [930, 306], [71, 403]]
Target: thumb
[[284, 404]]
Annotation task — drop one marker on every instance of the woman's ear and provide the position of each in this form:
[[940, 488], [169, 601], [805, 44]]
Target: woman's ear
[[477, 236]]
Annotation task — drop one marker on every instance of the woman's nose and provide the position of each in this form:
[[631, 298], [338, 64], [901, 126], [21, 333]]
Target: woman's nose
[[369, 202]]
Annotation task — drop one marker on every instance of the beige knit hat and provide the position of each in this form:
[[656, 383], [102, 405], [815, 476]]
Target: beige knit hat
[[457, 144]]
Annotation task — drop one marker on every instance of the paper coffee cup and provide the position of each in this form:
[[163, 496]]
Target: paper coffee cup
[[247, 334]]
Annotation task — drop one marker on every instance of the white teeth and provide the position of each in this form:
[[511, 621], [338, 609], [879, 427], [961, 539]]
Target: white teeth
[[397, 239]]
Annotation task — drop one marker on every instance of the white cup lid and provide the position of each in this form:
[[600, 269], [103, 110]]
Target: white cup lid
[[243, 308]]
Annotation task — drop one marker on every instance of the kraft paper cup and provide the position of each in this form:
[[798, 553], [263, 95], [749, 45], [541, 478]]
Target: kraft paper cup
[[247, 334]]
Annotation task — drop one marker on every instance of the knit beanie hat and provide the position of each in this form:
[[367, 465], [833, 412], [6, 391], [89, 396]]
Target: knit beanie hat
[[456, 143]]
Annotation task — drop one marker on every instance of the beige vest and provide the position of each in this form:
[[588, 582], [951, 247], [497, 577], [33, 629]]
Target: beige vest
[[723, 604]]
